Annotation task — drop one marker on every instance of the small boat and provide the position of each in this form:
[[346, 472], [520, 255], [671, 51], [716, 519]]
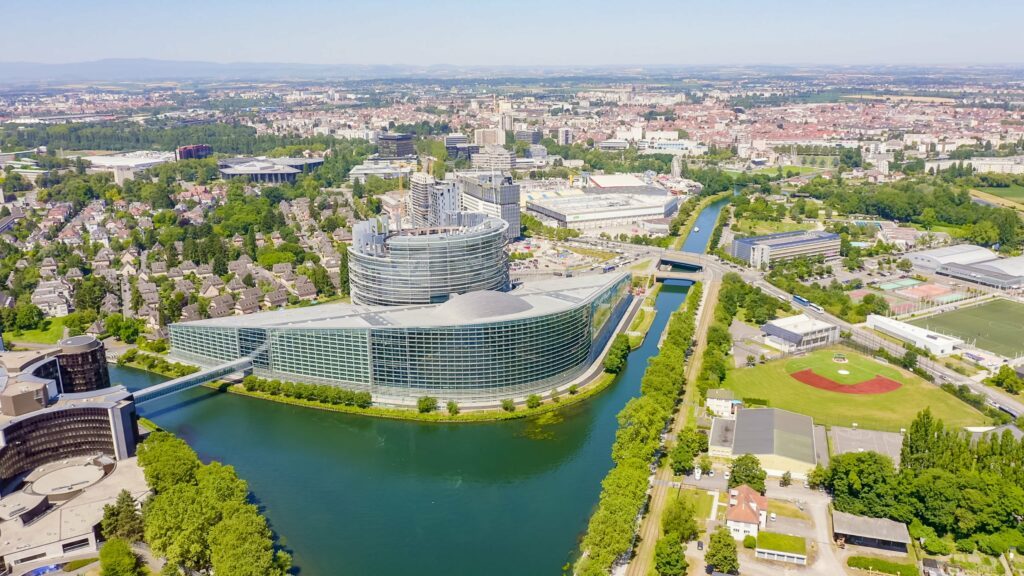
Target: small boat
[[696, 228]]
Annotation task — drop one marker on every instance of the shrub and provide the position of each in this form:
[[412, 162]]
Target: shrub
[[426, 404], [508, 405], [883, 566], [749, 542], [453, 408], [532, 401], [574, 389]]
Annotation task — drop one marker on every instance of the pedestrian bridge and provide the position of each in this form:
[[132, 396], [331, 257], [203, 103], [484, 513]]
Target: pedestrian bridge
[[193, 380]]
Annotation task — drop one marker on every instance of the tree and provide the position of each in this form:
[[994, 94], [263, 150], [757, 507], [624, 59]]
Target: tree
[[167, 461], [984, 233], [242, 545], [117, 559], [678, 520], [787, 479], [721, 554], [426, 404], [532, 401], [669, 559], [904, 265], [747, 470], [508, 405], [705, 464], [122, 519], [453, 408], [749, 542], [27, 316]]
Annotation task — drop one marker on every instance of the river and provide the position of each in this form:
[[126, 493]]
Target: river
[[357, 496]]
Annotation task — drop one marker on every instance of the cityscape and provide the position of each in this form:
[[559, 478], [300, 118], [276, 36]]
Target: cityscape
[[626, 295]]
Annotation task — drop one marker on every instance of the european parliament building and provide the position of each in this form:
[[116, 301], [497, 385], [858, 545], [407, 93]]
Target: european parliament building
[[482, 346]]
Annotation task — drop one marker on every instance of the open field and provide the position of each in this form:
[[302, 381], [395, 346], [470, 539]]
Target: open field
[[994, 326], [1014, 193], [887, 411], [50, 333], [759, 227]]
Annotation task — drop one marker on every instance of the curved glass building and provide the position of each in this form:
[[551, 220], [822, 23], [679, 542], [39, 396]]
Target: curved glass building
[[427, 265], [481, 346]]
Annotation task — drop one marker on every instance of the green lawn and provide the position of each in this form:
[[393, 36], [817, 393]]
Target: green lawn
[[1014, 192], [759, 227], [889, 411], [994, 326], [701, 502], [782, 508], [781, 543], [50, 333]]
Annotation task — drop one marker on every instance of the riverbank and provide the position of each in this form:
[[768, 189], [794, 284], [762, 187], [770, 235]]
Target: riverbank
[[684, 232]]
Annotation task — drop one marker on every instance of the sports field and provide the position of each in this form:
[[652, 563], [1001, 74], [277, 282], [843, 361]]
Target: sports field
[[1014, 192], [994, 326], [883, 411]]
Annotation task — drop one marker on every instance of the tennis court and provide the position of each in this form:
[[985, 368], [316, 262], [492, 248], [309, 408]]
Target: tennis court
[[897, 284], [924, 291], [994, 326]]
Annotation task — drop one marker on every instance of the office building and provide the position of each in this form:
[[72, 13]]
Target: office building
[[494, 158], [83, 364], [432, 202], [799, 333], [267, 170], [492, 193], [763, 251], [599, 211], [455, 139], [193, 152], [489, 137], [426, 265], [529, 136], [395, 145], [482, 346]]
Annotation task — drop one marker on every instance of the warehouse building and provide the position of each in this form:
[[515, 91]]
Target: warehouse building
[[799, 333], [963, 254], [933, 342], [761, 251], [872, 532], [783, 441]]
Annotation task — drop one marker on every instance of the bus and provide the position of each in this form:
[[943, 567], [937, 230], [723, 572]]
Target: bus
[[816, 308], [801, 300]]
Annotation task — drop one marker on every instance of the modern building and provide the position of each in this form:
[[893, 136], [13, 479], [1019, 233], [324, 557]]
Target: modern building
[[958, 254], [419, 198], [426, 265], [800, 332], [492, 193], [488, 137], [494, 158], [760, 251], [455, 139], [999, 165], [383, 169], [529, 136], [747, 513], [395, 145], [933, 342], [267, 170], [1002, 273], [601, 211], [193, 152], [871, 532], [83, 364], [564, 136], [783, 441], [477, 347]]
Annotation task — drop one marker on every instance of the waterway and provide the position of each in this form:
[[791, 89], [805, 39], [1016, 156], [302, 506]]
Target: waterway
[[697, 242], [353, 496]]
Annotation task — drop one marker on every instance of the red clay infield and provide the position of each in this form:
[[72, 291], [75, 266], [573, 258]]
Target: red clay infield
[[876, 385]]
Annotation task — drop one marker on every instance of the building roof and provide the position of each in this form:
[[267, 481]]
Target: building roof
[[800, 324], [528, 300], [874, 528], [783, 239], [745, 505], [774, 431], [958, 254], [1009, 266], [720, 394]]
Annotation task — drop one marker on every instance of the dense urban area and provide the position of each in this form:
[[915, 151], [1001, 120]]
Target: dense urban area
[[799, 295]]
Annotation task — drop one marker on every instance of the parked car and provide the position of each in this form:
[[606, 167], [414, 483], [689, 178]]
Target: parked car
[[700, 544]]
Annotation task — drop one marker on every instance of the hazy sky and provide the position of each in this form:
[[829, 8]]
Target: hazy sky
[[528, 32]]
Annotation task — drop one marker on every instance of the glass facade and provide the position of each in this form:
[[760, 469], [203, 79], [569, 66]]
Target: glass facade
[[427, 265], [485, 360]]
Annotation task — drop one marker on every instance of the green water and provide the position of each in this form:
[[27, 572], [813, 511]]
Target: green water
[[352, 495]]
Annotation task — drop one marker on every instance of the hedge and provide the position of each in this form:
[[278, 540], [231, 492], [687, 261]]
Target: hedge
[[884, 566]]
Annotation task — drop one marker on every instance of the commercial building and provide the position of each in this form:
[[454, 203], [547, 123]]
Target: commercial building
[[395, 145], [933, 342], [599, 211], [383, 169], [426, 265], [455, 139], [193, 152], [964, 254], [124, 166], [494, 158], [999, 165], [800, 332], [491, 193], [872, 532], [783, 441], [760, 251], [477, 347]]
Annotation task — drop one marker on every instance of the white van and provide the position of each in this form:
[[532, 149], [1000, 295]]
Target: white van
[[696, 474]]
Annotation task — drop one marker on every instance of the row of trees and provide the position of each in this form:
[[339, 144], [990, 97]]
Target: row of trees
[[678, 526], [611, 528], [615, 360], [199, 517], [314, 392], [955, 491], [834, 296]]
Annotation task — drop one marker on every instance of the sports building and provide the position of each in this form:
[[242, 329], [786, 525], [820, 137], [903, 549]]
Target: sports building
[[481, 346]]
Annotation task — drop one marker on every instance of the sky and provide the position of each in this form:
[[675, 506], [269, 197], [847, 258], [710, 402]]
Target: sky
[[518, 32]]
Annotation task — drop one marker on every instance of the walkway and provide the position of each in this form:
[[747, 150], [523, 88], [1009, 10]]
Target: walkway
[[193, 380]]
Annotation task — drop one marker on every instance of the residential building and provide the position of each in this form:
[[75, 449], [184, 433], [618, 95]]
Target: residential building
[[747, 513]]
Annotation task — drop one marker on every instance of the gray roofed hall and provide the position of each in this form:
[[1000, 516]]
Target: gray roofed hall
[[874, 528], [774, 431]]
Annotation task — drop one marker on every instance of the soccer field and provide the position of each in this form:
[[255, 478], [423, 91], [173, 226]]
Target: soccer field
[[887, 411], [994, 326]]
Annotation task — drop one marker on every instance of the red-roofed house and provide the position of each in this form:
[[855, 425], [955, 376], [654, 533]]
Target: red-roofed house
[[748, 512]]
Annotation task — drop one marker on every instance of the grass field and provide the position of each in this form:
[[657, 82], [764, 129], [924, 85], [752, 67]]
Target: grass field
[[701, 502], [759, 227], [994, 326], [50, 333], [781, 542], [1015, 192], [889, 411]]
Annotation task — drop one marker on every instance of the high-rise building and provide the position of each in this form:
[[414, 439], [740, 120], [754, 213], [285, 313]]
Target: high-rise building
[[444, 203], [419, 198], [395, 145], [494, 194], [193, 152], [494, 158], [564, 136], [83, 364], [508, 121], [489, 137]]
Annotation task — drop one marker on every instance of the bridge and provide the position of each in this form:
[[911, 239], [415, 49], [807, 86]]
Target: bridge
[[193, 380], [688, 259]]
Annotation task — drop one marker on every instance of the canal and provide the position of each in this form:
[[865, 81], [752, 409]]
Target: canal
[[353, 496]]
